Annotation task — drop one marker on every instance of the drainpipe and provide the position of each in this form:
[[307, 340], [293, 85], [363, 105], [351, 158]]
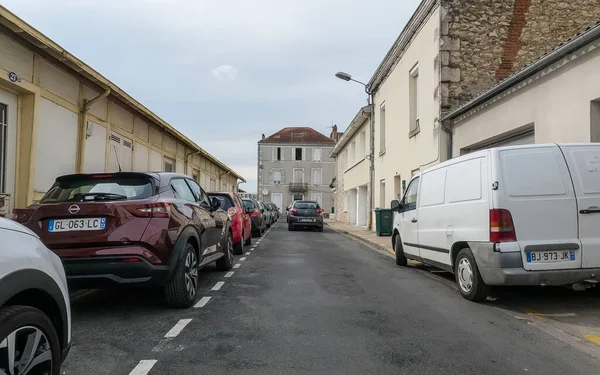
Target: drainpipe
[[187, 161], [371, 101], [87, 104], [220, 177]]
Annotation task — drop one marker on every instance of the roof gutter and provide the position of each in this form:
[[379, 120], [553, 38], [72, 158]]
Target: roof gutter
[[544, 62]]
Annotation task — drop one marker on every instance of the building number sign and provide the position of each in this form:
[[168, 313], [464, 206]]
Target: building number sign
[[13, 77]]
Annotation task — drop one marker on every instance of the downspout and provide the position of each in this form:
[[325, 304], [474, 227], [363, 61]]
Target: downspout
[[371, 101], [221, 177], [187, 161], [87, 104]]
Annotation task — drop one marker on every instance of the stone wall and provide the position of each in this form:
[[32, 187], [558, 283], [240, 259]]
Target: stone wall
[[484, 42]]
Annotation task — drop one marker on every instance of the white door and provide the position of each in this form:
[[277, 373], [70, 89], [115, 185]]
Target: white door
[[8, 144], [584, 164], [121, 153], [409, 219], [277, 199], [317, 197]]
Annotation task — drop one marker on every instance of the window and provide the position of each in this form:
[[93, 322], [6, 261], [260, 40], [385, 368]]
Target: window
[[382, 193], [169, 164], [362, 144], [182, 189], [276, 177], [196, 175], [226, 202], [414, 101], [594, 120], [382, 130], [298, 153], [277, 154], [83, 189], [213, 184], [352, 153], [317, 176], [199, 193], [317, 154], [410, 199], [298, 175]]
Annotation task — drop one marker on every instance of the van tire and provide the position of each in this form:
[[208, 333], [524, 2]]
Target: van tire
[[399, 249], [479, 290]]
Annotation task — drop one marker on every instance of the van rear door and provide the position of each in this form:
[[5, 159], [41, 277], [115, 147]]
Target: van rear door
[[535, 187], [584, 164]]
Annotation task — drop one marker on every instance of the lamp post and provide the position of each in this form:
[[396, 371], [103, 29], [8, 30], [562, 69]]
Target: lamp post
[[347, 77]]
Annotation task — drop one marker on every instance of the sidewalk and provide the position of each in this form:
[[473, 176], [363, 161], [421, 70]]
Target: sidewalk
[[363, 235]]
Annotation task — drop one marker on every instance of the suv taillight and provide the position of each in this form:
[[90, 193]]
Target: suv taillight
[[319, 211], [22, 215], [502, 228], [160, 209], [293, 211], [255, 213]]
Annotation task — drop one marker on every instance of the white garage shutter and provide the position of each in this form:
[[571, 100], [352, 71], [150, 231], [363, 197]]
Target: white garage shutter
[[121, 153], [520, 139]]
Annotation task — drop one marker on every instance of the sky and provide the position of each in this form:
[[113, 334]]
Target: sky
[[224, 72]]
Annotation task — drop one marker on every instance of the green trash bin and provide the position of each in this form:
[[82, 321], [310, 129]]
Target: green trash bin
[[384, 220]]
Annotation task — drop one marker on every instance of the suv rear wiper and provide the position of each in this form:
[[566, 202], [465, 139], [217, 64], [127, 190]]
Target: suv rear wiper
[[98, 197]]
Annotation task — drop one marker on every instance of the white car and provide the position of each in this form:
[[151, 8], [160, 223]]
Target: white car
[[516, 215], [35, 313]]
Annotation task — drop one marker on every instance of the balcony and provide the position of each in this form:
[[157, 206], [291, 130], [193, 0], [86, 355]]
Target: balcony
[[298, 187]]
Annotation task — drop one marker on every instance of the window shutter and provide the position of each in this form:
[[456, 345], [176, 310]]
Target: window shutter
[[271, 176], [303, 154]]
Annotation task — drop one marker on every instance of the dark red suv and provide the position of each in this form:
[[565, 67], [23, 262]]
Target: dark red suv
[[240, 220], [133, 229]]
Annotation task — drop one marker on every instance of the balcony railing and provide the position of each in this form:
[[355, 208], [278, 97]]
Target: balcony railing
[[299, 187]]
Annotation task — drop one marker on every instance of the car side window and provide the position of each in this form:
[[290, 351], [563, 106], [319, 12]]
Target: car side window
[[199, 193], [410, 198], [182, 189]]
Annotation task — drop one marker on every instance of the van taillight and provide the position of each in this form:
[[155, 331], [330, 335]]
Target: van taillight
[[21, 215], [150, 210], [502, 228]]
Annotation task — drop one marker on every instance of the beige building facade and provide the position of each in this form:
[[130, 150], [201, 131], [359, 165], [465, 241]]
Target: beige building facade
[[59, 116]]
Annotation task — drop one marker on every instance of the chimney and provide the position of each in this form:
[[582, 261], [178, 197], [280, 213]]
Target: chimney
[[263, 136], [334, 133]]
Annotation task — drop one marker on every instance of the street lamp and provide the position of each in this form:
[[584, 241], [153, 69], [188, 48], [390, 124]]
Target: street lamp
[[347, 77]]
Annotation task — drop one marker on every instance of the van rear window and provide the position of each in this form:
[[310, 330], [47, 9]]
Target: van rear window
[[99, 188]]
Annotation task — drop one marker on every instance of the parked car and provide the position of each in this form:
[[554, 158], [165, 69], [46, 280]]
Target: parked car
[[305, 214], [257, 216], [268, 213], [241, 224], [35, 313], [117, 229], [275, 211], [517, 215]]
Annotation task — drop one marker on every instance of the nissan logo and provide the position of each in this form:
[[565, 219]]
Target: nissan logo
[[74, 209]]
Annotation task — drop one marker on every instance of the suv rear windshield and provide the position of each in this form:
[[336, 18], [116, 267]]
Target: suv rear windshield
[[248, 203], [306, 205], [226, 202], [99, 188]]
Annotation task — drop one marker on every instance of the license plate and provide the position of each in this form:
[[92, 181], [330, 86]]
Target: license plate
[[550, 256], [72, 225], [306, 220]]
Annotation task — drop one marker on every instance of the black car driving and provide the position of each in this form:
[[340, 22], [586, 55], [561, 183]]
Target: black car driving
[[307, 214]]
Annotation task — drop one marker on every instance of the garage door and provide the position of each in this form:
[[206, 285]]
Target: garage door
[[519, 139]]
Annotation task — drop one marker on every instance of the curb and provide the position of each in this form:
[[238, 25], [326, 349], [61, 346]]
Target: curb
[[364, 241]]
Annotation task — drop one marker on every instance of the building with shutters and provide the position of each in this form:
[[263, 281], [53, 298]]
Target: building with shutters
[[59, 116], [448, 53], [295, 164]]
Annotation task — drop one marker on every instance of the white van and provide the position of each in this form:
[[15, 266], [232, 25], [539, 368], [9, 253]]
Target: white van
[[519, 215]]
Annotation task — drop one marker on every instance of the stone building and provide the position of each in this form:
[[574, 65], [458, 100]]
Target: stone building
[[294, 164], [448, 53]]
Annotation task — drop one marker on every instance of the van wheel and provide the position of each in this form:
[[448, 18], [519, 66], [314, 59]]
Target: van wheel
[[468, 278], [399, 249]]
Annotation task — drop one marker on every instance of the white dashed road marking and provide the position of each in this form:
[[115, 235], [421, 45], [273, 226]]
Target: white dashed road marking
[[237, 265], [203, 301], [247, 253], [228, 274], [242, 259], [176, 330], [143, 367], [218, 285]]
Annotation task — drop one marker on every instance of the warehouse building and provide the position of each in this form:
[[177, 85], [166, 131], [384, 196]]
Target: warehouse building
[[60, 116]]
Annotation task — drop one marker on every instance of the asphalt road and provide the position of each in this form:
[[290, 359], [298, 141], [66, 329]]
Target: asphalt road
[[312, 303]]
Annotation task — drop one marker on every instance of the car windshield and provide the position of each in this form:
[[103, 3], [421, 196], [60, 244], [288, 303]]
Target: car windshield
[[248, 203], [99, 188], [306, 205], [226, 202]]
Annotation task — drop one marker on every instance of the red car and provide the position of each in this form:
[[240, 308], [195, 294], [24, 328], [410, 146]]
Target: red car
[[117, 229], [240, 220]]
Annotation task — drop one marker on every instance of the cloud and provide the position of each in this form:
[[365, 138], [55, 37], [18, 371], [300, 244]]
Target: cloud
[[225, 72]]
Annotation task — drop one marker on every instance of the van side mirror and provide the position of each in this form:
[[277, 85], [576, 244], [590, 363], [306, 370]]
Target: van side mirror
[[396, 205]]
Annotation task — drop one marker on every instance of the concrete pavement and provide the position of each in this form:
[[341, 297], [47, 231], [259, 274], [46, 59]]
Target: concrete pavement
[[309, 302]]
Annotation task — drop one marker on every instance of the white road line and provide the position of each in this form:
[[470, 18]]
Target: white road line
[[176, 330], [237, 265], [229, 274], [218, 285], [247, 253], [143, 367], [203, 301], [242, 259]]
